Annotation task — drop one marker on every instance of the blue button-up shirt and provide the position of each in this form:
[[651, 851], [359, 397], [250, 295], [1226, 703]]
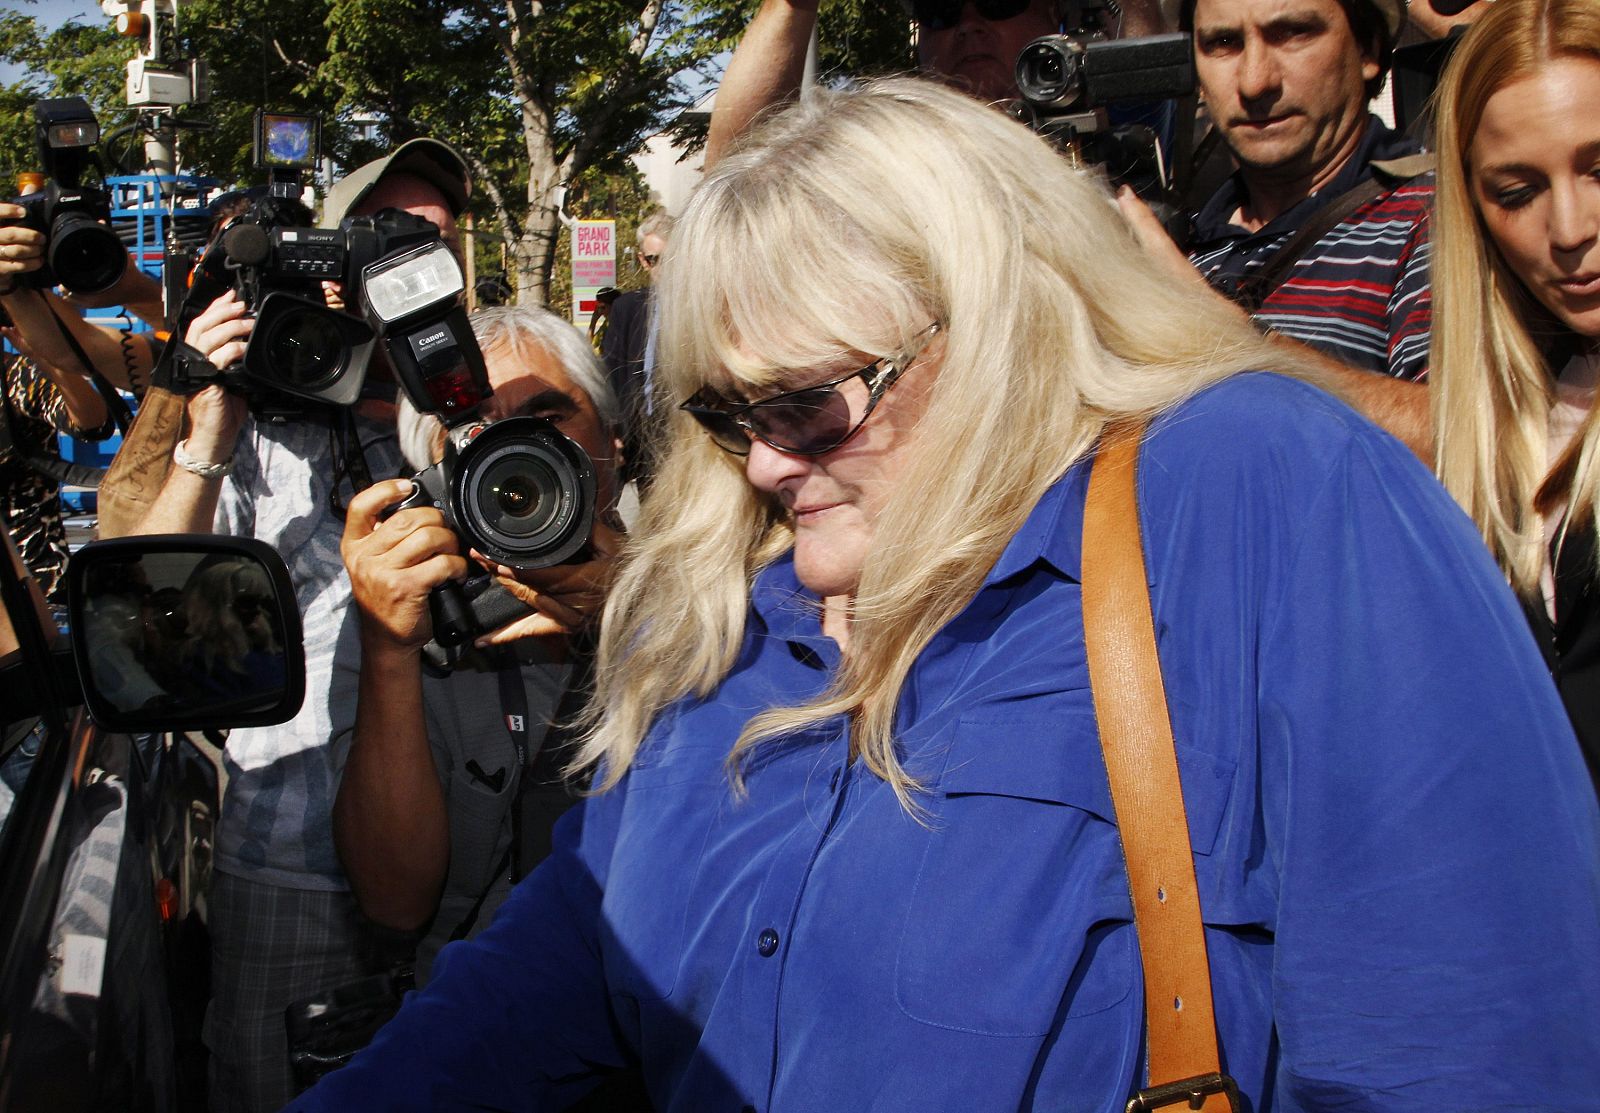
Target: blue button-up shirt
[[1394, 836]]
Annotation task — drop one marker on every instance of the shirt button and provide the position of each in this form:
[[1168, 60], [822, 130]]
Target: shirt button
[[767, 942]]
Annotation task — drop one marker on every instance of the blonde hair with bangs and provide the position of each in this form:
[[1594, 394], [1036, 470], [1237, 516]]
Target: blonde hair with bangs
[[847, 224], [1491, 385]]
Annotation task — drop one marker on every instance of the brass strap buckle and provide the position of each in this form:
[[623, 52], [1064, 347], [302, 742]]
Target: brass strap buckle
[[1192, 1092]]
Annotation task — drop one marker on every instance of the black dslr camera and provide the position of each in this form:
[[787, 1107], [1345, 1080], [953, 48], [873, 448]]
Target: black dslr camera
[[517, 490], [276, 261], [82, 253], [1068, 80]]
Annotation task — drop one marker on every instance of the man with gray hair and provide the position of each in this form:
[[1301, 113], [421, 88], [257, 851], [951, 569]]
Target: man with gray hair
[[453, 782]]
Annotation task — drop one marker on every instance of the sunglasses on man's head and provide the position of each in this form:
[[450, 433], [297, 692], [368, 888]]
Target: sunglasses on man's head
[[941, 15], [809, 421]]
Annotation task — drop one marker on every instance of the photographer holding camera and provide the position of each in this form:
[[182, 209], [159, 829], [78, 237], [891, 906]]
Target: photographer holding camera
[[37, 401], [284, 925], [49, 387], [444, 802], [973, 44]]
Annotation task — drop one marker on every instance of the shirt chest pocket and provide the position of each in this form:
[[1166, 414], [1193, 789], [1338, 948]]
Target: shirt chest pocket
[[1020, 914]]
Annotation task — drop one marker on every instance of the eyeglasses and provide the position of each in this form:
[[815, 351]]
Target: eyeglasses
[[809, 421], [650, 260], [941, 15]]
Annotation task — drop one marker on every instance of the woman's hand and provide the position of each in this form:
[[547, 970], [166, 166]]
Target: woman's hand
[[566, 598], [395, 563]]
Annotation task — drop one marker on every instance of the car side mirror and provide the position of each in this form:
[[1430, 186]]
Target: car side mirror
[[185, 632]]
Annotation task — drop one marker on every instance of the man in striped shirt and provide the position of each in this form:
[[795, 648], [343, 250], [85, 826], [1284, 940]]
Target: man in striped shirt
[[1322, 231]]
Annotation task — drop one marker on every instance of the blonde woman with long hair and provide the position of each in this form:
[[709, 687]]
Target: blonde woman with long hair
[[1516, 341], [851, 845]]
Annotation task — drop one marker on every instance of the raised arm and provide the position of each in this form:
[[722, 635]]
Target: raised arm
[[136, 291], [82, 407], [389, 819], [765, 70], [188, 499], [46, 320]]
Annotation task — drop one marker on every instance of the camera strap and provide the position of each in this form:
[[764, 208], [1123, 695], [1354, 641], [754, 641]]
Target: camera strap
[[514, 716], [1262, 283], [115, 403]]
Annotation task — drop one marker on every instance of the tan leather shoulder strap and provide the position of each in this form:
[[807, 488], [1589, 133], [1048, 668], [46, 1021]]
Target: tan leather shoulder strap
[[1130, 707]]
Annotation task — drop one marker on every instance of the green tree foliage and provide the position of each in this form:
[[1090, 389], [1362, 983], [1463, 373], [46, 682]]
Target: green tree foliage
[[546, 99], [863, 38], [272, 56], [75, 60], [535, 93]]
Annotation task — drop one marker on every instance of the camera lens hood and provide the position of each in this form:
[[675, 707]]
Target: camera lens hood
[[84, 255], [523, 493]]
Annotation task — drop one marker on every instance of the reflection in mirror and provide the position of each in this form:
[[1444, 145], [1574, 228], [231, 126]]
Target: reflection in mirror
[[196, 631]]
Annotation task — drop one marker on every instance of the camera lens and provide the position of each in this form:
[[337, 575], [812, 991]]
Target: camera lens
[[519, 494], [1049, 71], [523, 494], [85, 255], [305, 348]]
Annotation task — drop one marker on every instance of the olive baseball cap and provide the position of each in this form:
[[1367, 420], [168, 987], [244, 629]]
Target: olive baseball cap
[[434, 162]]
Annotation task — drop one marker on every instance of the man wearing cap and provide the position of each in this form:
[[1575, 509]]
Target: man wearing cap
[[284, 925]]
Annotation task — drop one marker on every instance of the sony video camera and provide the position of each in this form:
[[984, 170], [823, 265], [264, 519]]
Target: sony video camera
[[517, 490], [277, 262], [82, 253], [1069, 80]]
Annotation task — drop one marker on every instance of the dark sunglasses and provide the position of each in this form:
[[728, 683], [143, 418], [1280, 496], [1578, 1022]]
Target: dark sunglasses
[[809, 421], [941, 15], [650, 260]]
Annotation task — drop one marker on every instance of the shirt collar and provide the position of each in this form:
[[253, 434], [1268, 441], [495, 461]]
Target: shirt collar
[[1378, 142], [1053, 532], [784, 608], [1052, 535]]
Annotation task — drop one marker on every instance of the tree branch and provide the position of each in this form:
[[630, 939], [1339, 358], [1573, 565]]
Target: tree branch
[[296, 64]]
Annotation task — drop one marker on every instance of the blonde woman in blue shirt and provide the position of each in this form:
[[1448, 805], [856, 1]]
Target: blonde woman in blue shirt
[[852, 845]]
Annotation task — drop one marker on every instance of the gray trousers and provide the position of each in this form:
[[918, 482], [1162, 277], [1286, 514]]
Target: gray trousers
[[270, 946]]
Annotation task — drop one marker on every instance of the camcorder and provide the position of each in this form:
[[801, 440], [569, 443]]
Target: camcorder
[[517, 490], [1069, 80], [301, 350], [82, 253]]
